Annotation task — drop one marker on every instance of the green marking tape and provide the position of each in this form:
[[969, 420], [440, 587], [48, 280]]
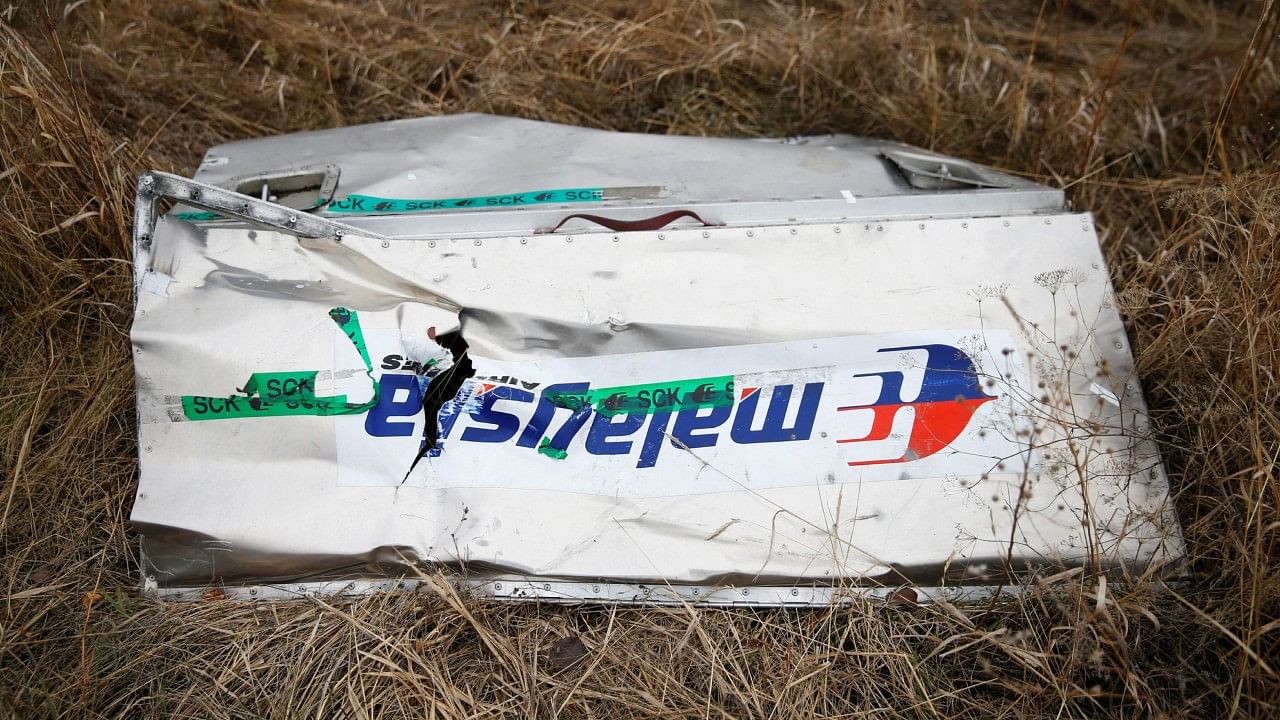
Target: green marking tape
[[554, 453], [370, 205], [271, 394], [197, 216], [670, 396]]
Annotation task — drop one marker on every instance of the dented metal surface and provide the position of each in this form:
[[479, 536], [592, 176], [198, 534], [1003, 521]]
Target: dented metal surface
[[846, 381]]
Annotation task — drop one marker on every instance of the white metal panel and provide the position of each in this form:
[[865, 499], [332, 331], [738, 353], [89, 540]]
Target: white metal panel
[[263, 499]]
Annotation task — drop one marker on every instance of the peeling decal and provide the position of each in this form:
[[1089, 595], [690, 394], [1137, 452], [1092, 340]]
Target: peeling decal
[[156, 283], [272, 394]]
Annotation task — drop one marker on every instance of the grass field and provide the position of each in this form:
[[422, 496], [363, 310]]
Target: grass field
[[1159, 116]]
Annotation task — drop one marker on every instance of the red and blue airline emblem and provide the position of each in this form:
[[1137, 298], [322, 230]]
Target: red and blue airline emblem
[[949, 396]]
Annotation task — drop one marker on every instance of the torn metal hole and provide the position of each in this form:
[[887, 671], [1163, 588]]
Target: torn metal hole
[[442, 389]]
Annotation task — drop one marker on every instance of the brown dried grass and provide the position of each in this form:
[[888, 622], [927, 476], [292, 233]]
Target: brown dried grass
[[1161, 117]]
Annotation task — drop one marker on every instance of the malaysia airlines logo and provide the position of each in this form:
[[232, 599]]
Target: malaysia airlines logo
[[706, 413], [949, 396]]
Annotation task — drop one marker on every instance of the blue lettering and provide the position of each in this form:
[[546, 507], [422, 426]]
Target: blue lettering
[[772, 429], [377, 423], [604, 427], [504, 425], [691, 419], [565, 434], [693, 428], [653, 439], [546, 411]]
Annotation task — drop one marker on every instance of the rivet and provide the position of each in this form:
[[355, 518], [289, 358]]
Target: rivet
[[431, 243], [751, 233], [615, 238], [547, 586], [921, 226], [880, 228], [386, 243], [147, 448], [293, 219], [1119, 345], [706, 234], [524, 241], [147, 180], [1048, 221], [569, 239], [253, 591], [661, 236], [837, 229], [1006, 223], [595, 588], [497, 586], [745, 591], [478, 243], [793, 231], [137, 351], [964, 224], [794, 592]]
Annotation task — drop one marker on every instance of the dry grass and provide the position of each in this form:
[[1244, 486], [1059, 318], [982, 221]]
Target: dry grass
[[1159, 116]]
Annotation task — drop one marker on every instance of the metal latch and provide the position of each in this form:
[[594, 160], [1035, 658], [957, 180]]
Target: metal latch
[[930, 172], [302, 188]]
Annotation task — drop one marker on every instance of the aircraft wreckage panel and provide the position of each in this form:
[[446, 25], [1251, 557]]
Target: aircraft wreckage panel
[[754, 408], [871, 367]]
